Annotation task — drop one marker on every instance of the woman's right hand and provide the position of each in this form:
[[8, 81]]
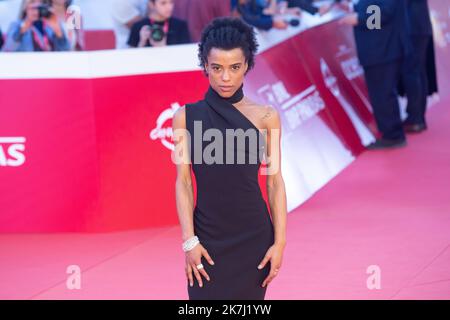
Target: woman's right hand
[[193, 258]]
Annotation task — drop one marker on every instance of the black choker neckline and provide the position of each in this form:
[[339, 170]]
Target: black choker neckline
[[235, 98]]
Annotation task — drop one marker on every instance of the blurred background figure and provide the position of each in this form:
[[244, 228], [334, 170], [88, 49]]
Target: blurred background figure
[[1, 39], [159, 28], [266, 14], [280, 7], [63, 10], [9, 11], [415, 75], [38, 29], [198, 13], [382, 51], [125, 13], [307, 5]]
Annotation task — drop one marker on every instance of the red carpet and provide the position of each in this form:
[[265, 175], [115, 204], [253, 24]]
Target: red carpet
[[389, 208]]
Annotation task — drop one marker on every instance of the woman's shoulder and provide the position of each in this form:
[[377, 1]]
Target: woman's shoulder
[[265, 113], [179, 118], [260, 108]]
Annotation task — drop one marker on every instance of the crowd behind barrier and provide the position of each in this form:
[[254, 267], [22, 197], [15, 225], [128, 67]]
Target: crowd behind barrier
[[61, 25]]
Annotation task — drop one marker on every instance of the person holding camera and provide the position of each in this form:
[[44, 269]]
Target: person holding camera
[[159, 28], [37, 30]]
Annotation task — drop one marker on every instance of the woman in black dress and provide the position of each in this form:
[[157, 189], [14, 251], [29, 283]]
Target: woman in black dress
[[233, 244]]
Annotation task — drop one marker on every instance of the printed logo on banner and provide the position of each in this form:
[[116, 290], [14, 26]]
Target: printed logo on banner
[[303, 106], [274, 93], [350, 66], [163, 130], [12, 151], [296, 109]]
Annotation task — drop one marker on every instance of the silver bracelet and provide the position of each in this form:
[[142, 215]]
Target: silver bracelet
[[190, 243]]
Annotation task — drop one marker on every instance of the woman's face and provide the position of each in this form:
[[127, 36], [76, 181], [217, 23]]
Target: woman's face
[[226, 70], [164, 8], [31, 9]]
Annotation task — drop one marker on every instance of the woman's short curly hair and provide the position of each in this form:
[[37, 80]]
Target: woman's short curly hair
[[227, 34]]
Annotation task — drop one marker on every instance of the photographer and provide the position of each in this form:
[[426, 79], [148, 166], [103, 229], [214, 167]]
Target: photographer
[[37, 30], [159, 28]]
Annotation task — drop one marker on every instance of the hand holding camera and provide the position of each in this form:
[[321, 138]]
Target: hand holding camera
[[144, 35], [41, 12], [154, 34], [46, 14]]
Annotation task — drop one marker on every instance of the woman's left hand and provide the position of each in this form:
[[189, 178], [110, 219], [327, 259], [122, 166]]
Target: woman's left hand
[[275, 256]]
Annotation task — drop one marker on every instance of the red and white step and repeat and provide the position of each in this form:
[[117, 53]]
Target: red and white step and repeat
[[86, 139]]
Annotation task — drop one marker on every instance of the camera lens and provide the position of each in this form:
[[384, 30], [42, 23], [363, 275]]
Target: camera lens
[[157, 33]]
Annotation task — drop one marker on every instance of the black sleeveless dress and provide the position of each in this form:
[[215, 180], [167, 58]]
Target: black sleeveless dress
[[231, 218]]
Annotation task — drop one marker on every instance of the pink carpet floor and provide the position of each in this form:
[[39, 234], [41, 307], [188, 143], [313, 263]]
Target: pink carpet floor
[[390, 209]]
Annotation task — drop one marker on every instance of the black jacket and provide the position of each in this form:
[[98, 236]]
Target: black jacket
[[178, 32], [391, 41], [419, 17], [253, 14]]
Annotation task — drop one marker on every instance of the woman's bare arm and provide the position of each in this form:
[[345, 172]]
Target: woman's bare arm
[[183, 185], [185, 198], [276, 191]]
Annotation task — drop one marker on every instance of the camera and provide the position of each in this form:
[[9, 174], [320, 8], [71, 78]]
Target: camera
[[157, 32], [44, 11]]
